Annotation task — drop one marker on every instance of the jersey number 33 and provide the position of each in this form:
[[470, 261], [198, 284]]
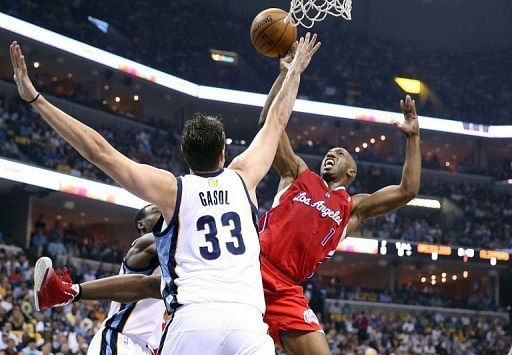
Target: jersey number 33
[[208, 224]]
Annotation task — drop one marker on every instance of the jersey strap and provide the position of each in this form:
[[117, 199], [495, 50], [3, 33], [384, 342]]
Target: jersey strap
[[166, 243], [254, 209]]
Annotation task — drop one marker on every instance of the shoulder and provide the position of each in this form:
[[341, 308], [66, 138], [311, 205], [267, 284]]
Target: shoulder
[[142, 252], [308, 175], [141, 244], [146, 240]]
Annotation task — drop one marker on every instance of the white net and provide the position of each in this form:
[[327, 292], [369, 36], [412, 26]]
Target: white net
[[307, 12]]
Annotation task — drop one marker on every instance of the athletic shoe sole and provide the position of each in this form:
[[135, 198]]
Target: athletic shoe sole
[[42, 271]]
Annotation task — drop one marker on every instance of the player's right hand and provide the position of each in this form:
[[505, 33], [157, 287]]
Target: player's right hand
[[25, 88], [306, 48]]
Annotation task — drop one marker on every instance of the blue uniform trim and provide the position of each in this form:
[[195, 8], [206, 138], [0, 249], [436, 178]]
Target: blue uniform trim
[[115, 324], [157, 229], [148, 270], [213, 174], [254, 209], [164, 335], [166, 243], [103, 347], [113, 341], [108, 342], [170, 292]]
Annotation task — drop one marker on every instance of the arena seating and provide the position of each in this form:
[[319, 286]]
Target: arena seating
[[68, 330], [363, 68], [25, 137], [402, 319]]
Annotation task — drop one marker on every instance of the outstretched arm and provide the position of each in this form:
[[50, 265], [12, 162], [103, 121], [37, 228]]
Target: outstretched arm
[[149, 183], [391, 197], [287, 164], [254, 163], [121, 288]]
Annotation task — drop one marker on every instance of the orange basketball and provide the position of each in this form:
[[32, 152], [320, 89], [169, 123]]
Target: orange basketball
[[271, 35]]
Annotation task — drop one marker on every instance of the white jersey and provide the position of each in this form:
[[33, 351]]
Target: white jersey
[[131, 319], [209, 252]]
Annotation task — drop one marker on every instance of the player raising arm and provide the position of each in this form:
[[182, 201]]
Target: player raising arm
[[214, 269], [291, 251], [389, 198], [149, 183]]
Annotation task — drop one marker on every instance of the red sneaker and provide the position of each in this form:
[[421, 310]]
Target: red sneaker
[[51, 288]]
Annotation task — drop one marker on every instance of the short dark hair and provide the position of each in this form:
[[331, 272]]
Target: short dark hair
[[143, 213], [202, 142]]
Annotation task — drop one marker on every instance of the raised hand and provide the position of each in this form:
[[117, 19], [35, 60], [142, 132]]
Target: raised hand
[[410, 126], [285, 61], [306, 48], [25, 88]]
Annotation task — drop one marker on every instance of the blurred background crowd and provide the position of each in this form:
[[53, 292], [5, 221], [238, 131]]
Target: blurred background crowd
[[476, 90], [68, 330], [352, 69]]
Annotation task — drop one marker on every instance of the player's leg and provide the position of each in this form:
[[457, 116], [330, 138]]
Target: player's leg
[[218, 342], [241, 341], [305, 343], [292, 324], [217, 329], [56, 289], [206, 342], [108, 341]]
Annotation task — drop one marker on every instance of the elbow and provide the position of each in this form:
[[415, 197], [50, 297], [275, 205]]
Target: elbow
[[411, 194]]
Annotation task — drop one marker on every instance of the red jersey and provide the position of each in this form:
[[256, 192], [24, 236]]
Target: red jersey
[[304, 226]]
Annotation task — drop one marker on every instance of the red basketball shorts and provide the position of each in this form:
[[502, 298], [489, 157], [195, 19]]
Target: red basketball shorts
[[286, 307]]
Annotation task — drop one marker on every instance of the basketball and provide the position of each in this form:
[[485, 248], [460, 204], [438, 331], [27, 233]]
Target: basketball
[[271, 35]]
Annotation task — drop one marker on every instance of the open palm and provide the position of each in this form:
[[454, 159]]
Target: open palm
[[410, 126], [306, 48], [25, 88]]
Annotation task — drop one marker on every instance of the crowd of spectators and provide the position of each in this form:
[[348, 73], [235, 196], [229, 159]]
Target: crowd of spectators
[[409, 294], [65, 240], [355, 70], [68, 330], [25, 137], [64, 331], [488, 214], [403, 333]]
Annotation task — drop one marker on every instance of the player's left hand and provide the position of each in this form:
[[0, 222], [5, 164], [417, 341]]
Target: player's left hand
[[410, 127], [25, 88], [306, 48]]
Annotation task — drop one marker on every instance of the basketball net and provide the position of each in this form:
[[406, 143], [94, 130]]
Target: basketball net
[[307, 12]]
